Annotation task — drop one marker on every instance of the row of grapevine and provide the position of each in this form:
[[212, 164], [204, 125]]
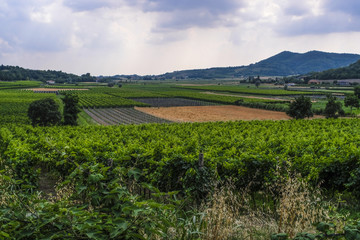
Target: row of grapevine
[[90, 99], [325, 150], [114, 116], [15, 103], [98, 170], [172, 102], [252, 91], [18, 84]]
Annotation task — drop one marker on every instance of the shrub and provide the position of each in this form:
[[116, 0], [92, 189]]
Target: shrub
[[300, 108], [44, 112]]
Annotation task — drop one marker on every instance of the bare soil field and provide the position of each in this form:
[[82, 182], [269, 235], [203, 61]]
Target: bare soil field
[[213, 113]]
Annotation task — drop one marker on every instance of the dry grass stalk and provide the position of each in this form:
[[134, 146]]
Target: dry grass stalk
[[62, 191], [300, 206], [229, 216]]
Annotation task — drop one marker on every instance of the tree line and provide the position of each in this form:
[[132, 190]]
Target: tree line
[[300, 108], [15, 73]]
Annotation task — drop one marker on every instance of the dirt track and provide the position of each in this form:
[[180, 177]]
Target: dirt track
[[213, 113]]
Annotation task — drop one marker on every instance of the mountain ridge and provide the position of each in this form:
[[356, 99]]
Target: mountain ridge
[[285, 63]]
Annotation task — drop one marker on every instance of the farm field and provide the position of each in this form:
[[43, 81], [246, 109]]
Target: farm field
[[132, 171], [124, 175], [114, 116], [172, 102], [213, 113]]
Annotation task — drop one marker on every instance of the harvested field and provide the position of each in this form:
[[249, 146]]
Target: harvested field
[[213, 113]]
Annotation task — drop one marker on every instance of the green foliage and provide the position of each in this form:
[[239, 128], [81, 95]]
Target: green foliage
[[350, 72], [351, 100], [326, 231], [96, 205], [333, 109], [279, 236], [15, 103], [44, 112], [357, 91], [244, 90], [110, 172], [12, 73], [300, 108], [71, 109], [304, 236]]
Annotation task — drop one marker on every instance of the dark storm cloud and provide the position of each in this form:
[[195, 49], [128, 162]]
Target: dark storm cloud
[[86, 5], [318, 25], [295, 8], [351, 7], [192, 13], [337, 16], [214, 6]]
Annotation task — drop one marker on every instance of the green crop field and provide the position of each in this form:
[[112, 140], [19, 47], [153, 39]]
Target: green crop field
[[156, 179], [245, 89]]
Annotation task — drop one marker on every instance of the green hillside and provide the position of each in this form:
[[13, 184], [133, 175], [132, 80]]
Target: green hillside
[[350, 72]]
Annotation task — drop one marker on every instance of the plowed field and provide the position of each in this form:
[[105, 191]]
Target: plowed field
[[213, 113]]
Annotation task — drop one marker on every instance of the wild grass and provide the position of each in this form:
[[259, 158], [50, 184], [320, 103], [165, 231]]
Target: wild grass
[[294, 207]]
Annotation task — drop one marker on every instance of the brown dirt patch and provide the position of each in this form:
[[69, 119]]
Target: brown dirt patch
[[213, 113]]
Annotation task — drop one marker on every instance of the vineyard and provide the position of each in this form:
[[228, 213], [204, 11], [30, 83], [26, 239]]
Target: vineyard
[[14, 105], [94, 165], [143, 177], [247, 90], [114, 116], [172, 102], [19, 84]]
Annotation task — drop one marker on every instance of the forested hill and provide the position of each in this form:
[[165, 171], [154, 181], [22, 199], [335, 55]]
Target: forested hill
[[11, 73], [283, 64], [350, 72]]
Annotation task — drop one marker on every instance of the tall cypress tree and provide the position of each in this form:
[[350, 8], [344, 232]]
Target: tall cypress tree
[[71, 109]]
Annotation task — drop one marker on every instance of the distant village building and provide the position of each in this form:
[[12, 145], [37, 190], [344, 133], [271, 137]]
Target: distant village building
[[50, 82], [341, 82], [314, 81]]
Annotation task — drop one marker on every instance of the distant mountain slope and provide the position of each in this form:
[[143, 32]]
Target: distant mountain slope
[[283, 64], [350, 72]]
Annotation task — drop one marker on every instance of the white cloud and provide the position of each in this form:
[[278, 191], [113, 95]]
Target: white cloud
[[155, 36]]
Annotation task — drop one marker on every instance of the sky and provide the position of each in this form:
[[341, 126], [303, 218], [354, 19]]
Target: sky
[[109, 37]]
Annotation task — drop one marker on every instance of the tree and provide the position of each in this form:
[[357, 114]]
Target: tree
[[351, 100], [71, 109], [111, 84], [44, 112], [300, 108], [333, 109], [357, 91]]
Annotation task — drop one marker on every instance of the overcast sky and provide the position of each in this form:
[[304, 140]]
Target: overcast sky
[[108, 37]]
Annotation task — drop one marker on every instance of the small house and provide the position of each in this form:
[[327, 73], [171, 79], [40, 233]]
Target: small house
[[50, 82], [314, 81]]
